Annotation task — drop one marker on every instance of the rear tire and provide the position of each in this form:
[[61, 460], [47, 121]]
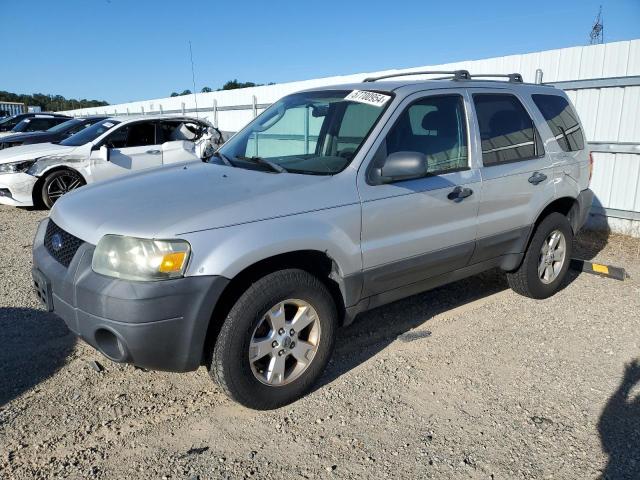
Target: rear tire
[[547, 259], [57, 183], [259, 359]]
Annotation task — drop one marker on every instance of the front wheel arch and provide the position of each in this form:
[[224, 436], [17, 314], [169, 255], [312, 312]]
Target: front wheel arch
[[37, 188]]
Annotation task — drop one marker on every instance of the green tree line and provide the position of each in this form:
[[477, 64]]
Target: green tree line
[[230, 85], [50, 103]]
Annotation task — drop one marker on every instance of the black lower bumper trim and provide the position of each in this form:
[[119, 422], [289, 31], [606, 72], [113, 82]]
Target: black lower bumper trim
[[157, 325]]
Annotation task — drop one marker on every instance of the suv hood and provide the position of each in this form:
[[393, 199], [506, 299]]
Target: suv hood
[[33, 151], [170, 202]]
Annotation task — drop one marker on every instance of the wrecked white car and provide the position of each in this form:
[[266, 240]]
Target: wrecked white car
[[40, 174]]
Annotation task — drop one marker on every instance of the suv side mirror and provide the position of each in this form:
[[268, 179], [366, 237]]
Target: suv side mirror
[[403, 166]]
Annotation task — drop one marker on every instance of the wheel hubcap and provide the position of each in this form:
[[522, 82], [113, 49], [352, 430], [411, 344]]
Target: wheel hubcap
[[552, 256], [284, 343], [61, 185]]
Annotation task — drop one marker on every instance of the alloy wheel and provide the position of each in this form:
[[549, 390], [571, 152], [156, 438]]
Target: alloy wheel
[[552, 257], [284, 342]]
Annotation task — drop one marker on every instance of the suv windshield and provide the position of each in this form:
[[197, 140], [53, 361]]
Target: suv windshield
[[64, 125], [89, 134], [315, 133]]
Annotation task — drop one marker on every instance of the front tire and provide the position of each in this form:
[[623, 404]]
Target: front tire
[[57, 183], [276, 341], [547, 259]]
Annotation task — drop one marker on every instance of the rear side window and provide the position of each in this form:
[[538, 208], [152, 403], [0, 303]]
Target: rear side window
[[507, 132], [171, 131], [562, 121]]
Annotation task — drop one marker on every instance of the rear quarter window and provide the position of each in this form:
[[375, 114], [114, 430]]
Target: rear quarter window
[[562, 120]]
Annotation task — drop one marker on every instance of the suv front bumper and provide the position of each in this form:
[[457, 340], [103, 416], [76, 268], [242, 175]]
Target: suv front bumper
[[157, 325]]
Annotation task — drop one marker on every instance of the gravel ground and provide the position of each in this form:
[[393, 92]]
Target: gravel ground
[[466, 381]]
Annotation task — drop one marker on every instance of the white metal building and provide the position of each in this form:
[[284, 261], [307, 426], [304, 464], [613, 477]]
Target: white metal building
[[603, 81]]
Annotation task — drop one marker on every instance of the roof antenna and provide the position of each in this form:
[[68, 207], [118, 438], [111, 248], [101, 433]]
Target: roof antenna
[[193, 78], [596, 36]]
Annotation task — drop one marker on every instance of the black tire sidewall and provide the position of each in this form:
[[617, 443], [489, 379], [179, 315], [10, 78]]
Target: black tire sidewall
[[232, 346], [555, 221], [46, 201]]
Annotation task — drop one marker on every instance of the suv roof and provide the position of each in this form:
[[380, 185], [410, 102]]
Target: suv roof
[[453, 79]]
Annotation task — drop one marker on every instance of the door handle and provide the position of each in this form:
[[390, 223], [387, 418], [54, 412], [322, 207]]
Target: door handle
[[459, 193], [537, 178], [153, 152]]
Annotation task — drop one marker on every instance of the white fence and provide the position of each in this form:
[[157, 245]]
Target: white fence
[[603, 82]]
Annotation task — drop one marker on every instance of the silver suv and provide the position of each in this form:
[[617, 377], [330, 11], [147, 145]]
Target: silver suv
[[331, 202]]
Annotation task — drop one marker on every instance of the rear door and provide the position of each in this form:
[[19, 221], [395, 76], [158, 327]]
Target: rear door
[[517, 176], [416, 229], [177, 139], [132, 147]]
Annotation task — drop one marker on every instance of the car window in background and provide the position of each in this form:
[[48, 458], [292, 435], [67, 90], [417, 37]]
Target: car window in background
[[64, 126], [562, 121], [9, 123], [135, 135], [35, 124], [89, 134], [173, 130]]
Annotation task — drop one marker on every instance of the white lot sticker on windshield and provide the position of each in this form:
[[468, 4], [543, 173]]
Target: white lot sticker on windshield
[[107, 124], [370, 98], [26, 120]]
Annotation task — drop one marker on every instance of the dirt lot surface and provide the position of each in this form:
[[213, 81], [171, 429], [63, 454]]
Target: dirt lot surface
[[466, 381]]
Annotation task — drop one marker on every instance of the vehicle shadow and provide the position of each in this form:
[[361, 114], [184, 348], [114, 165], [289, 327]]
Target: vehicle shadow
[[619, 428], [374, 330], [34, 344]]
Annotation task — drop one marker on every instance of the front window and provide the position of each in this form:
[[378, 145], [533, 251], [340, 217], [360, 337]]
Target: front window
[[310, 132], [89, 134]]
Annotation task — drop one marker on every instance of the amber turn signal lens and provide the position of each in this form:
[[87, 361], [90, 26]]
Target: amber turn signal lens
[[172, 262]]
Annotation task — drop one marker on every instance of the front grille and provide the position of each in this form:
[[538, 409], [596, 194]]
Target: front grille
[[61, 245]]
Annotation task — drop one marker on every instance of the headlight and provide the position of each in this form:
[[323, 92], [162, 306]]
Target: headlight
[[140, 259], [16, 167]]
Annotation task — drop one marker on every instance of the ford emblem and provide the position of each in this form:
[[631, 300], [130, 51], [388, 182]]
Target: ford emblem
[[56, 241]]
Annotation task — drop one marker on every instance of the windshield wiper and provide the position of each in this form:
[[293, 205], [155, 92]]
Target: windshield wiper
[[224, 159], [263, 161]]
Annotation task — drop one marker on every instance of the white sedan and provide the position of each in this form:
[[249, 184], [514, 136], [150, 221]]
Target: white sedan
[[40, 174]]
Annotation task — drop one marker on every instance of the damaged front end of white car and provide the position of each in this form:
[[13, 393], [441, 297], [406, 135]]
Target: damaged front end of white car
[[43, 180]]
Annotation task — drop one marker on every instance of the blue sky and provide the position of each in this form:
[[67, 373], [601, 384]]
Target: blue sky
[[125, 50]]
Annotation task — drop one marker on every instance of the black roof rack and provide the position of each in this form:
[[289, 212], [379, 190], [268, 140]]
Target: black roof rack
[[451, 74], [513, 77]]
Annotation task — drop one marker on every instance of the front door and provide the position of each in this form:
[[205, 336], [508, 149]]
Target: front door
[[417, 229], [132, 147]]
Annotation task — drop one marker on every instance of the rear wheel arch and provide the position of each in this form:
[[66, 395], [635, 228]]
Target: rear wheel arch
[[567, 206], [315, 262]]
